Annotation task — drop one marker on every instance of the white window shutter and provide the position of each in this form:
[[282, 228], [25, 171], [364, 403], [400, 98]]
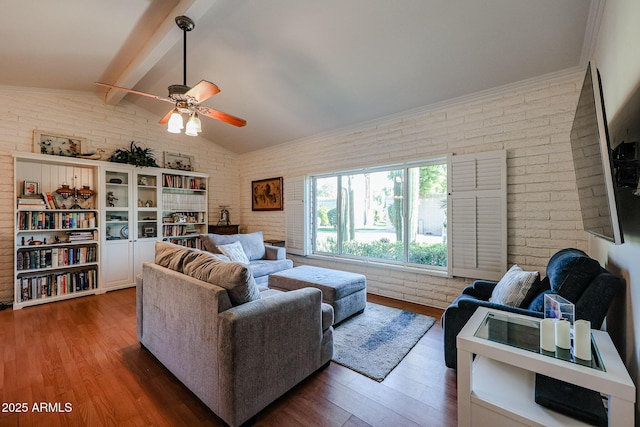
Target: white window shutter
[[478, 215], [296, 202]]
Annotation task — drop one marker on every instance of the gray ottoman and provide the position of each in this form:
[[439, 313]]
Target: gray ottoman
[[346, 292]]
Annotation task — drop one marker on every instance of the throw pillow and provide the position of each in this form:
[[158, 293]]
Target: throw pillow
[[210, 242], [236, 278], [514, 286], [234, 252], [171, 256]]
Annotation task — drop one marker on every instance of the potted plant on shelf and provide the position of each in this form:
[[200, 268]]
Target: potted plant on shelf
[[135, 155]]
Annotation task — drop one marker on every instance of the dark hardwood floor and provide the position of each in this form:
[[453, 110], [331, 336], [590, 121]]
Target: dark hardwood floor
[[78, 363]]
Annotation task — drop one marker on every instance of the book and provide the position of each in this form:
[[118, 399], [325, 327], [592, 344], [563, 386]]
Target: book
[[54, 257], [51, 201]]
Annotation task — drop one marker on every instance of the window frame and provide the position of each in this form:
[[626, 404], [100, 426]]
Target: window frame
[[405, 167]]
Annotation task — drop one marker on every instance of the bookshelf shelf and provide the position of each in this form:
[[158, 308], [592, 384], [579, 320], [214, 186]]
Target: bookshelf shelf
[[57, 251], [184, 208]]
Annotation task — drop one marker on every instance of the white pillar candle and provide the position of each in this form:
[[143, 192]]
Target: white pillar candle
[[563, 336], [548, 335], [582, 339]]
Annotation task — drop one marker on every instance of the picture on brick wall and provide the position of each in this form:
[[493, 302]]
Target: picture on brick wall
[[57, 145], [178, 161], [266, 194]]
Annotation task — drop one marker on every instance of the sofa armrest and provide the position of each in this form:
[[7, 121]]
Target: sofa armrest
[[267, 347], [473, 304], [481, 289], [274, 252]]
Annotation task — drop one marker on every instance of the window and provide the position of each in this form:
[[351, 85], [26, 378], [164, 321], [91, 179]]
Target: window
[[395, 214], [447, 215]]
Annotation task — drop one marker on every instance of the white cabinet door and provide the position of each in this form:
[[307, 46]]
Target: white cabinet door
[[118, 227], [118, 264], [144, 250]]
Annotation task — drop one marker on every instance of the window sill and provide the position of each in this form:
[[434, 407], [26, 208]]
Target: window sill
[[376, 264]]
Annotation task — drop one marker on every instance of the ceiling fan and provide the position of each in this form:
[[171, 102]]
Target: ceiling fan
[[187, 99]]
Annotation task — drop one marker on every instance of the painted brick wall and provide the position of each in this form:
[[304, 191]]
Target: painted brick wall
[[86, 115], [532, 122]]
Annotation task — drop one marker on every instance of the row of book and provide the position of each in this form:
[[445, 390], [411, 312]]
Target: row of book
[[179, 230], [184, 202], [43, 286], [179, 181], [32, 220], [33, 259], [189, 243]]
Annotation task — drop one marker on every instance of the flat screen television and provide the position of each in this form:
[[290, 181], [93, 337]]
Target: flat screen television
[[591, 152]]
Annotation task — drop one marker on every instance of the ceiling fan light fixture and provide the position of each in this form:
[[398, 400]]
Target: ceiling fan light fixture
[[192, 127], [175, 124], [196, 121]]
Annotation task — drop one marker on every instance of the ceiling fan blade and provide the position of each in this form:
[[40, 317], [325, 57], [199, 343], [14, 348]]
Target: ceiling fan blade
[[223, 117], [160, 98], [203, 90], [166, 117]]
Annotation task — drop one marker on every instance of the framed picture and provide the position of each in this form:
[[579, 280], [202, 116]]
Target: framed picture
[[30, 188], [178, 161], [149, 232], [266, 195], [57, 145]]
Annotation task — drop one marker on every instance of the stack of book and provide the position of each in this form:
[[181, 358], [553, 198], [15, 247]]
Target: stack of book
[[33, 203], [78, 236]]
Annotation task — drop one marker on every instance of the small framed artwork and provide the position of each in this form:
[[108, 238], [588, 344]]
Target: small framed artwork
[[57, 145], [30, 188], [178, 161], [149, 232], [266, 195]]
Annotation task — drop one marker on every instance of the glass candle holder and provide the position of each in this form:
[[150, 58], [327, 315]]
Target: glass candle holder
[[558, 308]]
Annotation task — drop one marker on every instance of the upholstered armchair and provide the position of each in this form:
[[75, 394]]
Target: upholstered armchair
[[570, 273]]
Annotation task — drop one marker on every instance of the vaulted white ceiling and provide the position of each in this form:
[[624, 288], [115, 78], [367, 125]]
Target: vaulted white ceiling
[[294, 68]]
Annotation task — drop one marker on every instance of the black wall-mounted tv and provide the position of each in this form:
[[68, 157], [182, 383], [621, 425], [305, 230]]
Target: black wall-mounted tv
[[591, 152]]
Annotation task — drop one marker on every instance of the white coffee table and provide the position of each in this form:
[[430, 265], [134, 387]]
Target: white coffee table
[[497, 386]]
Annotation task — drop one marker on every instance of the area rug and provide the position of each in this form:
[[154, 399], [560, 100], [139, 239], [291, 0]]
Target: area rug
[[374, 342]]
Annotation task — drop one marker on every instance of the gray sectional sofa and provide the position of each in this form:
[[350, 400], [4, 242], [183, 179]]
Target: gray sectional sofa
[[263, 259], [236, 348]]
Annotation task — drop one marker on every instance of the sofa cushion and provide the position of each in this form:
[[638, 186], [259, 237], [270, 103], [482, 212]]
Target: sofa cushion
[[252, 243], [514, 286], [234, 252], [236, 278], [172, 256], [570, 271]]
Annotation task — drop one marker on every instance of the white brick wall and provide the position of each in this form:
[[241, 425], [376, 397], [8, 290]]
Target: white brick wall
[[532, 123], [85, 115]]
